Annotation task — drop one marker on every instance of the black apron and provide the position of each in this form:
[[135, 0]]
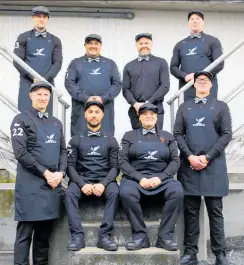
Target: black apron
[[95, 157], [35, 200], [201, 136], [151, 160], [38, 57], [95, 81], [194, 58]]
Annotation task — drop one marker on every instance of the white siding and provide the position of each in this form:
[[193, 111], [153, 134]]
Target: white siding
[[118, 43]]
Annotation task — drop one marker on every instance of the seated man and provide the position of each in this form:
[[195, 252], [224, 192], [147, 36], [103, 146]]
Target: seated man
[[92, 169], [148, 157]]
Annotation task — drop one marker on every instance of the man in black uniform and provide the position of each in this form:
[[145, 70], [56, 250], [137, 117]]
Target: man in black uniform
[[40, 150], [92, 169], [92, 77], [203, 130], [145, 79], [194, 53], [42, 51]]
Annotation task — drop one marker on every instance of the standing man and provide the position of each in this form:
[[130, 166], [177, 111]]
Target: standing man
[[42, 51], [92, 169], [145, 80], [194, 53], [39, 148], [202, 131], [92, 77]]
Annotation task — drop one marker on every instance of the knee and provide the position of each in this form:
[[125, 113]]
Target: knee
[[114, 193], [176, 192], [73, 191], [127, 194]]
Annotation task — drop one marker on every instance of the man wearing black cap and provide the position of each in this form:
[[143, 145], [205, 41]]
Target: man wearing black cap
[[92, 169], [194, 53], [92, 77], [145, 79], [39, 147], [42, 51], [203, 130]]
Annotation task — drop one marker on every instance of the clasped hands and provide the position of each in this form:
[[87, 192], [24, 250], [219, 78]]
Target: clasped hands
[[96, 98], [198, 162], [53, 179], [149, 183], [93, 189]]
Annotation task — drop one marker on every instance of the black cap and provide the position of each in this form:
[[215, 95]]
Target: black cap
[[40, 10], [145, 35], [94, 102], [208, 74], [148, 106], [40, 84], [199, 13], [93, 37]]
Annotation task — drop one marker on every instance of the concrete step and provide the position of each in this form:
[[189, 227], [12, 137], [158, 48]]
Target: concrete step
[[94, 210], [121, 232], [6, 257], [150, 256]]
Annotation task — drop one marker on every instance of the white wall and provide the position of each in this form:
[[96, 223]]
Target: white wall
[[118, 43]]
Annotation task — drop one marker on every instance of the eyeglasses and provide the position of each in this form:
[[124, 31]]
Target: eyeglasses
[[202, 80]]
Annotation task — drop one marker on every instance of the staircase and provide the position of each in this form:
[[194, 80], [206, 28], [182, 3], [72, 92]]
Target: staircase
[[92, 213]]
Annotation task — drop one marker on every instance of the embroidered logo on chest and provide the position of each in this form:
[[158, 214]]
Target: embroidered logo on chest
[[39, 52], [95, 72], [151, 155], [50, 139], [192, 51], [199, 122], [94, 151]]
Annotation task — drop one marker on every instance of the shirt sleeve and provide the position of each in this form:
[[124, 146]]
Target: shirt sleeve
[[127, 86], [174, 162], [71, 79], [63, 154], [163, 89], [124, 163], [20, 51], [224, 125], [179, 133], [216, 52], [115, 88], [175, 64], [19, 138], [72, 160], [113, 159], [57, 59]]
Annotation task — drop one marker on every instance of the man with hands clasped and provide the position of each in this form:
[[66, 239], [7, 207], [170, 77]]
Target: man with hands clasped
[[92, 169], [39, 147], [203, 130]]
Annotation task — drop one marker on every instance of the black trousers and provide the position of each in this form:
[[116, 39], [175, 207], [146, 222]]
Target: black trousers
[[171, 199], [136, 124], [72, 196], [41, 232], [216, 222]]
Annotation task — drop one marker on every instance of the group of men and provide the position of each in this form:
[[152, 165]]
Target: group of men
[[91, 159]]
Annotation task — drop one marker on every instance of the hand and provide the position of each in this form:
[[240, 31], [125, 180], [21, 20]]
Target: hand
[[57, 178], [196, 162], [203, 159], [35, 79], [145, 183], [189, 77], [155, 181], [137, 105], [98, 189], [92, 98], [48, 175], [99, 99], [87, 189]]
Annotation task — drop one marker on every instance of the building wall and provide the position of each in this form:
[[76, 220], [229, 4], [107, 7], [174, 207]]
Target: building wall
[[167, 27]]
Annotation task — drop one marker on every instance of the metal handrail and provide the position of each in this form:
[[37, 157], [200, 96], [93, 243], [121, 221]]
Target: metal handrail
[[57, 96], [208, 68]]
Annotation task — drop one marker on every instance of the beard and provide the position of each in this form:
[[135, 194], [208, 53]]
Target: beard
[[94, 124]]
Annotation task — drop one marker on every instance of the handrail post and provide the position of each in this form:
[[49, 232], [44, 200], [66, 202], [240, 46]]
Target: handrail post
[[172, 115]]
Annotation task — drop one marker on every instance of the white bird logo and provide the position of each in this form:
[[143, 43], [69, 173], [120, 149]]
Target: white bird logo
[[39, 52], [95, 148], [50, 137], [192, 51], [95, 71], [199, 122], [94, 151], [151, 155]]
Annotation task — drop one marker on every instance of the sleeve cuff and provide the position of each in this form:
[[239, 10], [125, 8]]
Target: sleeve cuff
[[104, 182], [104, 99], [188, 153]]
